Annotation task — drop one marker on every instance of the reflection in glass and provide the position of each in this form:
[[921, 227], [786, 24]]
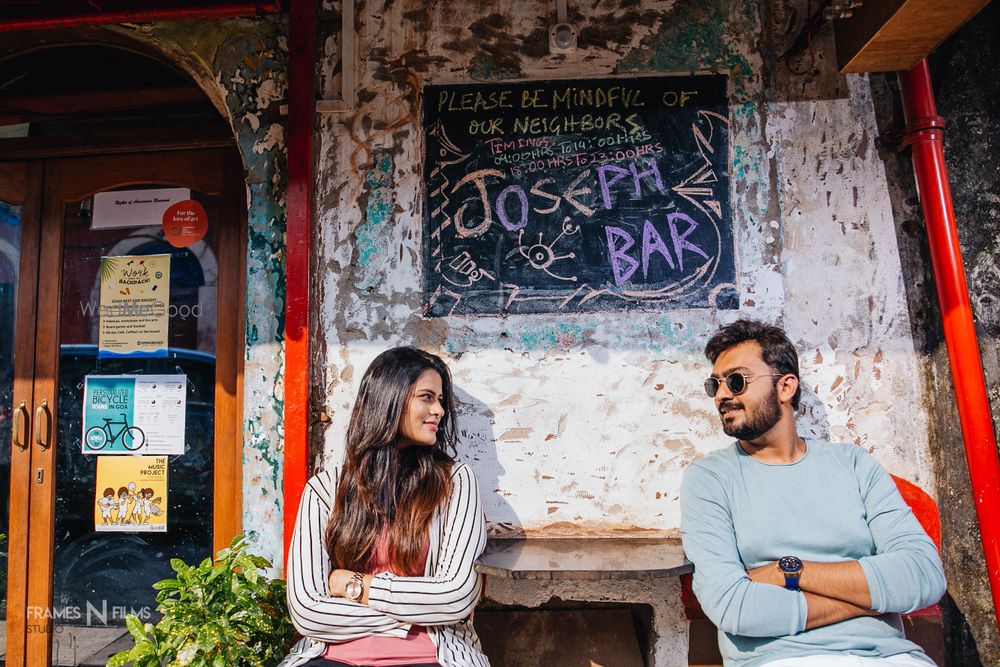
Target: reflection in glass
[[98, 578], [10, 244]]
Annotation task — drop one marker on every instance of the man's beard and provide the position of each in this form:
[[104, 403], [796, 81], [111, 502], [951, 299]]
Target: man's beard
[[763, 418]]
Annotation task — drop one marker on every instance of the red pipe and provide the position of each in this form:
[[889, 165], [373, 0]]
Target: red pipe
[[301, 107], [222, 11], [924, 132]]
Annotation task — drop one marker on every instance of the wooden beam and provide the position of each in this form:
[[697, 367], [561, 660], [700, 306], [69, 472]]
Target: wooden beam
[[27, 108], [74, 13], [889, 35], [123, 141]]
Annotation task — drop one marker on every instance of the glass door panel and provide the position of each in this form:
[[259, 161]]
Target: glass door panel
[[19, 239], [105, 560], [10, 247]]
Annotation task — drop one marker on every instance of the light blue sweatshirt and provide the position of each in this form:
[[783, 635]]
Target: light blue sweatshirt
[[834, 504]]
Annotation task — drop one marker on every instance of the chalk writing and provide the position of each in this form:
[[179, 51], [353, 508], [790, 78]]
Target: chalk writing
[[577, 196]]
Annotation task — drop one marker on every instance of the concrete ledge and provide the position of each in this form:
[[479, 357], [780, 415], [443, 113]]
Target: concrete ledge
[[583, 559]]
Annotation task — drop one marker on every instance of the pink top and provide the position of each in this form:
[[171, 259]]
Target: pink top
[[377, 651]]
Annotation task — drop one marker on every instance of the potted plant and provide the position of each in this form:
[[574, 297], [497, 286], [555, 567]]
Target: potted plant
[[226, 612]]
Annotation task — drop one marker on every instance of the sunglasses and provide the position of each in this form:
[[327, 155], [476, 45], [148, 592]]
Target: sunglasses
[[735, 382]]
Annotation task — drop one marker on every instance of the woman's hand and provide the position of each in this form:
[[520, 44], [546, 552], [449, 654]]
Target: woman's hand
[[338, 584]]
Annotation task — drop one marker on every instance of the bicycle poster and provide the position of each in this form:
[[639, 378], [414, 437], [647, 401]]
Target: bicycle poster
[[130, 494], [134, 414]]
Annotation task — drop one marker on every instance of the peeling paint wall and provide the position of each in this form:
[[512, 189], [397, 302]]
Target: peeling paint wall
[[252, 70], [241, 65], [575, 424], [583, 424]]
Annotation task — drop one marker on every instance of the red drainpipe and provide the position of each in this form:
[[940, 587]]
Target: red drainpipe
[[298, 236], [924, 133], [208, 11]]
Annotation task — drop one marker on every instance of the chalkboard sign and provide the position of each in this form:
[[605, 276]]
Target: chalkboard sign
[[577, 196]]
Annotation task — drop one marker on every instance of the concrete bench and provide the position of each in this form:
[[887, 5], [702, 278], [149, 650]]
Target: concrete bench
[[612, 602]]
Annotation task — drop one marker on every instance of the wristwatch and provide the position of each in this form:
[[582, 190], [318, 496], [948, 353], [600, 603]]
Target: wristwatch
[[355, 587], [791, 567]]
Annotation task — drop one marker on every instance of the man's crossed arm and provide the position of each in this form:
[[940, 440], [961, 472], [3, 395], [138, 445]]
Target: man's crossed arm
[[834, 592]]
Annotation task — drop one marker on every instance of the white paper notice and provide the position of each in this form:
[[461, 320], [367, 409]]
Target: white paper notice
[[134, 208], [160, 402]]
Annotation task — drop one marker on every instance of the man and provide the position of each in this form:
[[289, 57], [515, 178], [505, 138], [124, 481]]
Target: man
[[804, 551]]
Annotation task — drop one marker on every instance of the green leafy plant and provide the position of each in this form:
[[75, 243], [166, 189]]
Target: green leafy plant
[[221, 613]]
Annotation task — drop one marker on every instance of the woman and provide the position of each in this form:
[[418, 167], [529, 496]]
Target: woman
[[381, 563]]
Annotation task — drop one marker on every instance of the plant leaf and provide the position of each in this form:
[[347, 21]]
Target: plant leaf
[[120, 658], [167, 584], [135, 628]]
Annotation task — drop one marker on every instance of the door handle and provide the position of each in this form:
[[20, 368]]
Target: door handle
[[43, 425], [22, 428]]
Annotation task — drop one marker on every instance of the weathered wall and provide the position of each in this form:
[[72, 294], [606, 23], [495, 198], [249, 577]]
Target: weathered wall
[[967, 95], [240, 65], [583, 424]]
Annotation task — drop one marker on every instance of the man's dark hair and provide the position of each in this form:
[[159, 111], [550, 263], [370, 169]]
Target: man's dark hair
[[776, 350]]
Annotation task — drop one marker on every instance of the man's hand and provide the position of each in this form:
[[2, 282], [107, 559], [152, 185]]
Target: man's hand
[[840, 581], [828, 587], [767, 574]]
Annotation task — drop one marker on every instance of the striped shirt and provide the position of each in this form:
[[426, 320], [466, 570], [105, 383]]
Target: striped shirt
[[442, 600]]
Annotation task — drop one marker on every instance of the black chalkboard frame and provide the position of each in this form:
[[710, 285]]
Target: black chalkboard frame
[[495, 209]]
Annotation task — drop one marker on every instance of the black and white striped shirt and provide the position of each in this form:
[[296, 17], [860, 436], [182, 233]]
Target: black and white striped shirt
[[442, 600]]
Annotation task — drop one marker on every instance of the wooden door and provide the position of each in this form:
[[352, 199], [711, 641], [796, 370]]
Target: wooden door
[[69, 593], [19, 234]]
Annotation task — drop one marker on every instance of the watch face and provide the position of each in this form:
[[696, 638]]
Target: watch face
[[353, 589], [790, 564]]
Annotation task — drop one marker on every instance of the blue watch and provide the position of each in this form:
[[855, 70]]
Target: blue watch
[[791, 567]]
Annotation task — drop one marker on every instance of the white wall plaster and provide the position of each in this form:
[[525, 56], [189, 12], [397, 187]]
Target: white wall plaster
[[583, 424], [586, 422], [846, 304]]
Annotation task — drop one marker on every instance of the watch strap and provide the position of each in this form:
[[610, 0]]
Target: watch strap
[[359, 579], [791, 568]]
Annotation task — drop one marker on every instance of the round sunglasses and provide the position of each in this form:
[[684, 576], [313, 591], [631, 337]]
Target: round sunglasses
[[735, 382]]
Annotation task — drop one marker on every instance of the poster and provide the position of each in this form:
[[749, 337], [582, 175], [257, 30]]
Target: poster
[[135, 299], [134, 414], [134, 208], [130, 494]]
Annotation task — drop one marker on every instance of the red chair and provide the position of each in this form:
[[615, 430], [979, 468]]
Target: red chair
[[926, 511]]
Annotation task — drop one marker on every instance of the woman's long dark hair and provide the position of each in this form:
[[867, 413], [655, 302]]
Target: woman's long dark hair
[[384, 487]]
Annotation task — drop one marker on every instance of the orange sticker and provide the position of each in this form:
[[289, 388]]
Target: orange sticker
[[185, 223]]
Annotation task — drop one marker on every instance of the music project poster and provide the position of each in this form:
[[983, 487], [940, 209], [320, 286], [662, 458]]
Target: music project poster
[[130, 494], [134, 414], [135, 300]]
